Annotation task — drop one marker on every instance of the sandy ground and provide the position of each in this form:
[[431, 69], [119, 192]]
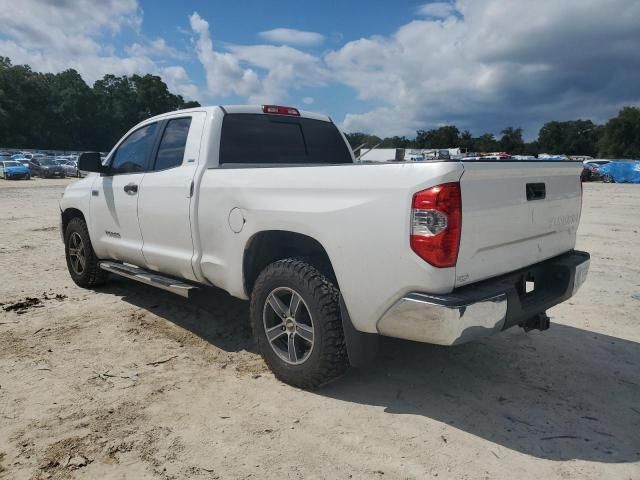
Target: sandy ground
[[133, 382]]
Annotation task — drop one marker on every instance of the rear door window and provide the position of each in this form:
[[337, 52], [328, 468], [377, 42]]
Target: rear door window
[[275, 139], [171, 149]]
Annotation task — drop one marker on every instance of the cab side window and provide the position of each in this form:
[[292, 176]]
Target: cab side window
[[133, 154], [171, 148]]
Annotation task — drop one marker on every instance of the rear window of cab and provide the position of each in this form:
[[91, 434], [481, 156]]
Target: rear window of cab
[[278, 139]]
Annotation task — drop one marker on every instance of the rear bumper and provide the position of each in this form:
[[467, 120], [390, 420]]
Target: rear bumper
[[484, 308]]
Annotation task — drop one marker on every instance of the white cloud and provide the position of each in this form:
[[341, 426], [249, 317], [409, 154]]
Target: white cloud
[[308, 100], [481, 64], [157, 48], [437, 9], [178, 81], [290, 36], [55, 36], [261, 73], [224, 74], [495, 64]]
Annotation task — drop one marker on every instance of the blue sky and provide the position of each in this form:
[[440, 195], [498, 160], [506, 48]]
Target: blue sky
[[381, 67]]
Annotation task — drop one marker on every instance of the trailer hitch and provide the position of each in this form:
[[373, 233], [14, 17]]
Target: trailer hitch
[[539, 321]]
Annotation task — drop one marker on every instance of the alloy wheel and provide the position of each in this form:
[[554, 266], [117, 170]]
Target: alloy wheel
[[77, 254], [288, 325]]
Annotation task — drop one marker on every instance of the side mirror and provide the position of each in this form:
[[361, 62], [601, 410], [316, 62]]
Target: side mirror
[[90, 162]]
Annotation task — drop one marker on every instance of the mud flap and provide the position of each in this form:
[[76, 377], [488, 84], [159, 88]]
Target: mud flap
[[362, 348]]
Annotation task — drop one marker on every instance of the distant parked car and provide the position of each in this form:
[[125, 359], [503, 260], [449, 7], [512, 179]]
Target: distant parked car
[[591, 170], [23, 161], [46, 168], [13, 170], [621, 171], [69, 166]]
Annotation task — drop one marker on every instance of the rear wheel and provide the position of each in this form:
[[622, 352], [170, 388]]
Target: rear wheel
[[295, 318], [607, 179], [81, 259]]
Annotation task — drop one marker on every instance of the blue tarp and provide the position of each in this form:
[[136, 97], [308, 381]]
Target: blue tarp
[[627, 171]]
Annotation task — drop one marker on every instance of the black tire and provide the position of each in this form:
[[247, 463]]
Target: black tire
[[607, 179], [327, 359], [62, 175], [90, 275]]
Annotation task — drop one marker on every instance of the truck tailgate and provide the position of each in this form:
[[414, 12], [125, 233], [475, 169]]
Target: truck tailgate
[[515, 214]]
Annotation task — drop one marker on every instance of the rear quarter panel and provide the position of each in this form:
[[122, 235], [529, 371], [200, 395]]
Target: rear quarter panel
[[359, 213]]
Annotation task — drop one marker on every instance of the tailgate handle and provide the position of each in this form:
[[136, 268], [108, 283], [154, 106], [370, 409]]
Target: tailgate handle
[[536, 191]]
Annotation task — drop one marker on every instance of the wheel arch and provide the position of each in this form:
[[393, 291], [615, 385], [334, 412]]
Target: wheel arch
[[266, 247], [69, 214], [269, 246]]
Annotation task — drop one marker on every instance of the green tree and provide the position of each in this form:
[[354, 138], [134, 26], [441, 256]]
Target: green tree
[[532, 148], [60, 111], [511, 141], [485, 143], [396, 142], [574, 137], [117, 109], [442, 137], [357, 139], [466, 141], [153, 96], [73, 111], [621, 135], [25, 105]]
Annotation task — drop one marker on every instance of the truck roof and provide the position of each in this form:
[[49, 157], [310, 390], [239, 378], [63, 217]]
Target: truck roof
[[256, 109]]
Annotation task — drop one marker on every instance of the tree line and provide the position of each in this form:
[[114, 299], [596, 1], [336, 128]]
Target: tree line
[[60, 111], [618, 138]]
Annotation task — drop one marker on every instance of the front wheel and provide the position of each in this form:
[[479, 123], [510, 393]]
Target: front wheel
[[82, 261], [295, 318], [607, 179]]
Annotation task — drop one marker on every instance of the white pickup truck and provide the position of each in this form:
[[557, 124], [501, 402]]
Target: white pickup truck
[[267, 203]]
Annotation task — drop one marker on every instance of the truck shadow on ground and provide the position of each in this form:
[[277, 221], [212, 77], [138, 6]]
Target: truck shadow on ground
[[562, 394], [211, 314]]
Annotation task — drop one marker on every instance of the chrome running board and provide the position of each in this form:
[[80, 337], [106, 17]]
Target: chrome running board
[[150, 278]]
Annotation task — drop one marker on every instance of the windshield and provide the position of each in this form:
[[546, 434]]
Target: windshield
[[12, 164], [277, 139], [47, 162]]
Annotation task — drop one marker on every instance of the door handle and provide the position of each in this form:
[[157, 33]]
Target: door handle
[[131, 188]]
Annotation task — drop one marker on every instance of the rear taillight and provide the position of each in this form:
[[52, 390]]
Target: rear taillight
[[280, 110], [436, 221]]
